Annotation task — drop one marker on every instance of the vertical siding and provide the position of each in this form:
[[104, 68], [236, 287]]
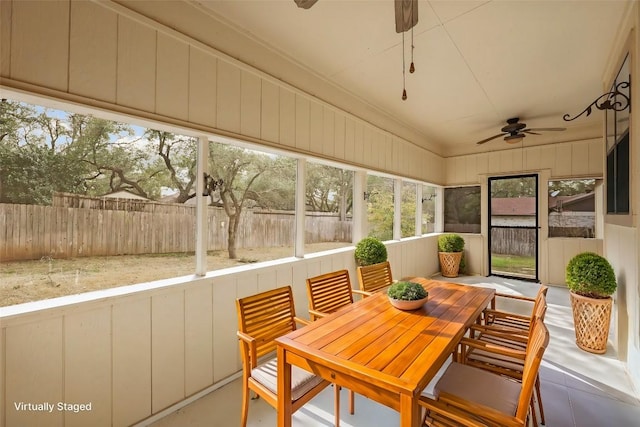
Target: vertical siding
[[135, 354], [270, 110], [172, 81], [93, 45], [228, 101], [136, 77], [203, 70], [302, 118], [41, 29], [287, 117], [250, 104]]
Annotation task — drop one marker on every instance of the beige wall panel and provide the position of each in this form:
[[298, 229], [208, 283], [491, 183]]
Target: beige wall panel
[[366, 146], [284, 276], [494, 163], [339, 140], [226, 357], [246, 284], [564, 161], [474, 248], [532, 158], [358, 141], [548, 158], [315, 127], [270, 110], [302, 122], [349, 141], [268, 279], [555, 261], [580, 158], [387, 152], [397, 153], [136, 84], [87, 366], [471, 169], [596, 158], [228, 90], [40, 43], [5, 38], [378, 150], [287, 117], [172, 80], [131, 355], [506, 161], [328, 132], [203, 71], [198, 329], [167, 349], [482, 163], [93, 46], [34, 371], [250, 104]]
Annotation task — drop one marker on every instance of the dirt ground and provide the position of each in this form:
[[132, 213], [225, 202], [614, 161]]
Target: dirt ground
[[26, 281]]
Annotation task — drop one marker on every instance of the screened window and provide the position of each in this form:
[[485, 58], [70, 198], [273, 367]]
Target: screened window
[[328, 212], [617, 184], [462, 209], [572, 210], [379, 200], [428, 208], [408, 209]]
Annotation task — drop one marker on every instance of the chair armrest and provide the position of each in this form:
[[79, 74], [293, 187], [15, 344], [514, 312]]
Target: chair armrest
[[505, 314], [248, 344], [302, 321], [451, 412], [518, 297], [479, 411], [513, 335], [363, 293], [492, 348]]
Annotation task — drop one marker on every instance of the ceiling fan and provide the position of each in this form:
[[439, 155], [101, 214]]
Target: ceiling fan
[[515, 131]]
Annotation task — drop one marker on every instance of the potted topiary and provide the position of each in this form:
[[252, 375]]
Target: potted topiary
[[370, 250], [450, 250], [591, 282], [407, 295]]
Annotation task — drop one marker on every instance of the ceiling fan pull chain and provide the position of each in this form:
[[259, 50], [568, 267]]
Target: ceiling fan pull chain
[[404, 88], [412, 68]]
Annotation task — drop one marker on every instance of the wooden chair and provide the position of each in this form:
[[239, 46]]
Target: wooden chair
[[327, 293], [461, 397], [373, 278], [498, 318], [502, 350], [261, 319]]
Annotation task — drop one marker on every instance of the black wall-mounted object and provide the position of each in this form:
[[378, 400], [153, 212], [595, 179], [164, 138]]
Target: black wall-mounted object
[[615, 100]]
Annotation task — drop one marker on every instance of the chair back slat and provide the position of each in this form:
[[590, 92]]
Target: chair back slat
[[267, 316], [539, 311], [375, 277], [535, 350], [329, 292]]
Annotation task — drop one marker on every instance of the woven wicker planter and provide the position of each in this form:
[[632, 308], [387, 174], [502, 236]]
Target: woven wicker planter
[[450, 263], [591, 319]]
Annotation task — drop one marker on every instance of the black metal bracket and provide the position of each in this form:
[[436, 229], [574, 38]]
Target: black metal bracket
[[607, 101]]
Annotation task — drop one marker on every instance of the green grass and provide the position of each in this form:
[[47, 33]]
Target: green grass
[[524, 265]]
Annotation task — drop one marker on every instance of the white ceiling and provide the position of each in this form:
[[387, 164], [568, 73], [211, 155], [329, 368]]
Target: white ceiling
[[478, 63]]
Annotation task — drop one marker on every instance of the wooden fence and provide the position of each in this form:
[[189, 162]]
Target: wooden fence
[[513, 241], [33, 232]]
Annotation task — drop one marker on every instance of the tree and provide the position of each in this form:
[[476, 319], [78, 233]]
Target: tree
[[328, 189]]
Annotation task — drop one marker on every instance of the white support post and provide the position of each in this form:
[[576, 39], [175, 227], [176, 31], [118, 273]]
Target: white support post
[[419, 231], [202, 229], [438, 225], [359, 229], [397, 209], [300, 208]]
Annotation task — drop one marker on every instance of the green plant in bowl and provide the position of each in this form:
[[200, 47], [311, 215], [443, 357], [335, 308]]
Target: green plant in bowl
[[591, 275], [407, 291]]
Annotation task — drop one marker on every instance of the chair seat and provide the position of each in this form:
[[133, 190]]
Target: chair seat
[[476, 385], [301, 380]]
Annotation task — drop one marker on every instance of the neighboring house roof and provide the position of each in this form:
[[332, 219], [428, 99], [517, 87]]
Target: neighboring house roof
[[513, 206], [124, 194], [584, 202]]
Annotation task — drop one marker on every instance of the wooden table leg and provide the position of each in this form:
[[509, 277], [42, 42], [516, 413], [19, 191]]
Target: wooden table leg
[[284, 389], [409, 411]]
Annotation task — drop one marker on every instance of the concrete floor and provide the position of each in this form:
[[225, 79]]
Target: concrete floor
[[579, 389]]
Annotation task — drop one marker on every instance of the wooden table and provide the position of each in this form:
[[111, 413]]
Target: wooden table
[[380, 352]]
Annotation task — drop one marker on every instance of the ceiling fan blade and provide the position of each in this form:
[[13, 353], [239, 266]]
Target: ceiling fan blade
[[490, 138], [531, 133], [546, 129], [305, 4]]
